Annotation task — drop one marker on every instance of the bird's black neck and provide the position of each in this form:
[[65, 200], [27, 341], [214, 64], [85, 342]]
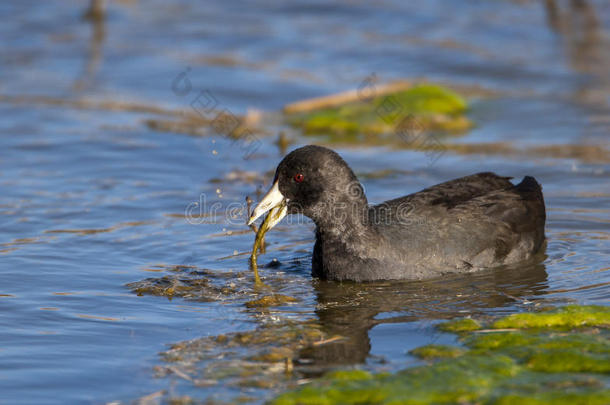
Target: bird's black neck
[[345, 219]]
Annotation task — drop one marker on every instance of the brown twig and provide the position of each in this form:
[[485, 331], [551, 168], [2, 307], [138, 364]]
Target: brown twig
[[338, 99]]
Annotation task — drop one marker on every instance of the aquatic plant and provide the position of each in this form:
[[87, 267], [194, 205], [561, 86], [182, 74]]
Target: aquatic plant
[[409, 112], [459, 325], [554, 357]]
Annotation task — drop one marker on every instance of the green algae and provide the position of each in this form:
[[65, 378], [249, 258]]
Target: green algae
[[426, 99], [207, 285], [187, 282], [557, 398], [569, 361], [543, 344], [437, 351], [349, 375], [261, 358], [259, 240], [537, 364], [273, 300], [459, 325], [494, 341], [571, 316], [455, 381], [549, 352], [589, 342], [431, 107], [467, 379], [273, 355]]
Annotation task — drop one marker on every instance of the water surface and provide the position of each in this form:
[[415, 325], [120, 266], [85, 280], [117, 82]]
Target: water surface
[[92, 199]]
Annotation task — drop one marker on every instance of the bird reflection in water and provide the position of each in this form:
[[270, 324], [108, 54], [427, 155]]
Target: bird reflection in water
[[351, 310]]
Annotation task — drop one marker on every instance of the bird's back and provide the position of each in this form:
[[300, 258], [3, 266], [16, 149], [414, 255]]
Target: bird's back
[[473, 222]]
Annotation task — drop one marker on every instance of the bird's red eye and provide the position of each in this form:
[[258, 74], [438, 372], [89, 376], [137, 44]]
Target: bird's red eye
[[298, 177]]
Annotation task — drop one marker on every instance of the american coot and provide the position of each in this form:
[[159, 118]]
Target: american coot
[[471, 223]]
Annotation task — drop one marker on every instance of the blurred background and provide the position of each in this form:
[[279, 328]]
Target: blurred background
[[132, 131]]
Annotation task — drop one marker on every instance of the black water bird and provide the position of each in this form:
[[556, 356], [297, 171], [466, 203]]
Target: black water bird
[[463, 225]]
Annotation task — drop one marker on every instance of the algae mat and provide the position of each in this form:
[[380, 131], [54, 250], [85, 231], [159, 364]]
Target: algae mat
[[432, 106], [561, 356]]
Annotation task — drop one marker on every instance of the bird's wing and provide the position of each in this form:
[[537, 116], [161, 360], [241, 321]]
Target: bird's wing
[[454, 192], [479, 218]]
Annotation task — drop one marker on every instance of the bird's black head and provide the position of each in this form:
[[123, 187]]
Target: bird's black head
[[315, 181]]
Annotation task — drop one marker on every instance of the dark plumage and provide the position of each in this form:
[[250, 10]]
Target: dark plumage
[[462, 225]]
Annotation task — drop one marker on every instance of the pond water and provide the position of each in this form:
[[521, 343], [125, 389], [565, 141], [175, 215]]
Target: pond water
[[92, 198]]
